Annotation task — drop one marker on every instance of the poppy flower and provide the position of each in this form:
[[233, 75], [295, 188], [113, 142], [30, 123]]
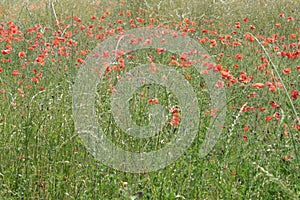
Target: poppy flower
[[22, 54], [238, 56], [219, 84], [153, 100], [237, 24], [295, 94], [160, 50], [139, 19], [173, 110], [268, 118], [77, 19], [252, 27], [277, 25], [174, 121], [277, 115], [5, 52], [15, 72], [262, 109], [293, 36], [245, 19], [274, 104], [286, 71], [258, 85]]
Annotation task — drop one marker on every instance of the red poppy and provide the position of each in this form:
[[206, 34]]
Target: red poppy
[[5, 52], [258, 85], [293, 36], [237, 24], [15, 72], [238, 56], [153, 100], [160, 50], [174, 121], [139, 19], [219, 84], [286, 71], [262, 109], [274, 104], [252, 27], [245, 19], [277, 115], [268, 118], [80, 60], [277, 25], [173, 110], [77, 19], [295, 94], [22, 54]]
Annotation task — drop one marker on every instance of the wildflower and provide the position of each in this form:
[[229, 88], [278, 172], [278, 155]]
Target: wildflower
[[160, 50], [295, 94], [173, 110], [5, 52], [219, 84], [77, 19], [238, 56], [252, 27], [15, 72], [153, 100], [258, 85], [246, 19], [277, 115], [174, 121], [80, 60], [262, 109], [268, 118], [274, 104], [277, 25], [293, 36], [286, 71], [22, 54], [237, 24], [139, 19]]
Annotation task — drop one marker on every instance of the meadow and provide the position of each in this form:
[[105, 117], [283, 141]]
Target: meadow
[[255, 48]]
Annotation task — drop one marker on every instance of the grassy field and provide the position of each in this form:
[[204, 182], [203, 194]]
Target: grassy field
[[255, 46]]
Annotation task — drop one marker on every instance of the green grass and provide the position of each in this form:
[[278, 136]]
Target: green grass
[[42, 156]]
